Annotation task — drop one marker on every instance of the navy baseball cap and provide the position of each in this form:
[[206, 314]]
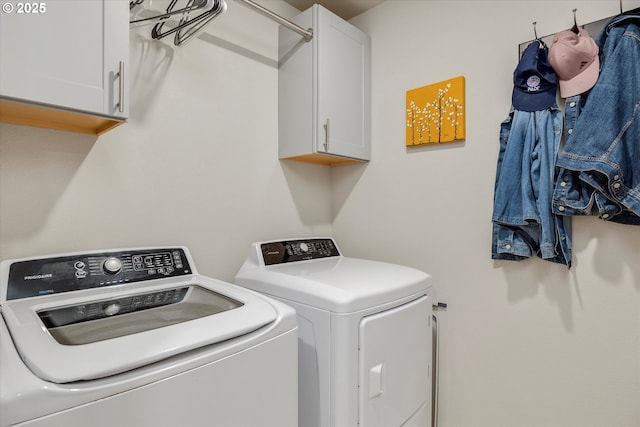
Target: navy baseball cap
[[534, 81]]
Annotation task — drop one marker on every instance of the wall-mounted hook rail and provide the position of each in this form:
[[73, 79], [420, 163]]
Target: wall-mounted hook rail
[[593, 27], [307, 34]]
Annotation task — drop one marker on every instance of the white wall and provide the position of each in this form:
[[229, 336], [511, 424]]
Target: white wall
[[522, 344], [197, 163], [527, 344]]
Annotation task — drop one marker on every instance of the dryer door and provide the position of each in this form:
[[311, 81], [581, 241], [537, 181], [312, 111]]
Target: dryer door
[[394, 359]]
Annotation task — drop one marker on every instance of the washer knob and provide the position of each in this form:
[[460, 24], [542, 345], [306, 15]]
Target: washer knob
[[112, 309], [304, 247], [112, 265]]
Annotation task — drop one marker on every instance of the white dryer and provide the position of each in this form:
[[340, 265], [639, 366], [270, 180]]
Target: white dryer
[[365, 339], [136, 337]]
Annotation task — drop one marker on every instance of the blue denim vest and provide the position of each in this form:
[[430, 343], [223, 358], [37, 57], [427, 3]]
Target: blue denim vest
[[523, 223], [599, 166]]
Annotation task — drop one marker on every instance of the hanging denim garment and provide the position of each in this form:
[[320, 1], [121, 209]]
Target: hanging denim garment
[[523, 224], [600, 162]]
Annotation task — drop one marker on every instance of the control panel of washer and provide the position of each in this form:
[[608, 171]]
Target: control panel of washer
[[47, 276], [297, 250]]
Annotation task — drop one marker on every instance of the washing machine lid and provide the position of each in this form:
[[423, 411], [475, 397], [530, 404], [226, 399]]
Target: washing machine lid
[[337, 284], [198, 313], [98, 331]]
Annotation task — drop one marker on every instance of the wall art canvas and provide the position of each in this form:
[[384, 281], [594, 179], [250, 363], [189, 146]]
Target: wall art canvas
[[436, 113]]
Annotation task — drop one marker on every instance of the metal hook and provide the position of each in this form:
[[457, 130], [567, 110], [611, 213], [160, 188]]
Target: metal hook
[[575, 28], [535, 32], [620, 6]]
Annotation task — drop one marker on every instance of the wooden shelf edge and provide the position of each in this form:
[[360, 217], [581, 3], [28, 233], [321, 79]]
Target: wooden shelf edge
[[324, 159], [51, 118]]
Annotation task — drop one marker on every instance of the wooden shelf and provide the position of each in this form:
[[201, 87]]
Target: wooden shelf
[[51, 118], [325, 159]]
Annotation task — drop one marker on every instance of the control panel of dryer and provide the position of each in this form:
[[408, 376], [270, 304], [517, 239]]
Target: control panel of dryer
[[287, 251], [47, 276]]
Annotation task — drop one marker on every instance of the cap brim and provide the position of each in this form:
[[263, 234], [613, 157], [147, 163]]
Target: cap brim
[[527, 101], [582, 82]]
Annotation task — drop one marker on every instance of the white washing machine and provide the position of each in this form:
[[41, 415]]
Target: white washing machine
[[365, 338], [136, 337]]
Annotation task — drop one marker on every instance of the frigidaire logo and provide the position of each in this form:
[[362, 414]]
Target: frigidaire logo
[[39, 276]]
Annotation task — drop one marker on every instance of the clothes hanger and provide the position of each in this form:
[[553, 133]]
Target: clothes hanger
[[209, 6], [182, 37], [191, 6]]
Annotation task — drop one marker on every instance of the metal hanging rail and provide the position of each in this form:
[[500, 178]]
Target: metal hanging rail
[[307, 34]]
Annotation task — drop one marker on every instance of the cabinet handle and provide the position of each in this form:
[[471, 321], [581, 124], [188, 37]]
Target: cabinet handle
[[326, 135], [121, 87]]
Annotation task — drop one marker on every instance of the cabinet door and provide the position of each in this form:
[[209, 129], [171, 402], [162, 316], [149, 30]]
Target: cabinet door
[[343, 86], [66, 55], [115, 58]]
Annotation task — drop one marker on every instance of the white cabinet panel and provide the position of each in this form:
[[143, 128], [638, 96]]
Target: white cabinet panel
[[324, 90], [343, 98], [67, 56]]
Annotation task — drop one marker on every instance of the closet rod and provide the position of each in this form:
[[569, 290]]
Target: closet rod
[[307, 34]]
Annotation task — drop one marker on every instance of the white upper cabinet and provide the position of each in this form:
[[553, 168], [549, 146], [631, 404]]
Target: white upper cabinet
[[324, 91], [64, 63]]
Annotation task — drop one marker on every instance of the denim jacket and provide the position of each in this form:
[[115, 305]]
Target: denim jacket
[[523, 224], [599, 166]]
